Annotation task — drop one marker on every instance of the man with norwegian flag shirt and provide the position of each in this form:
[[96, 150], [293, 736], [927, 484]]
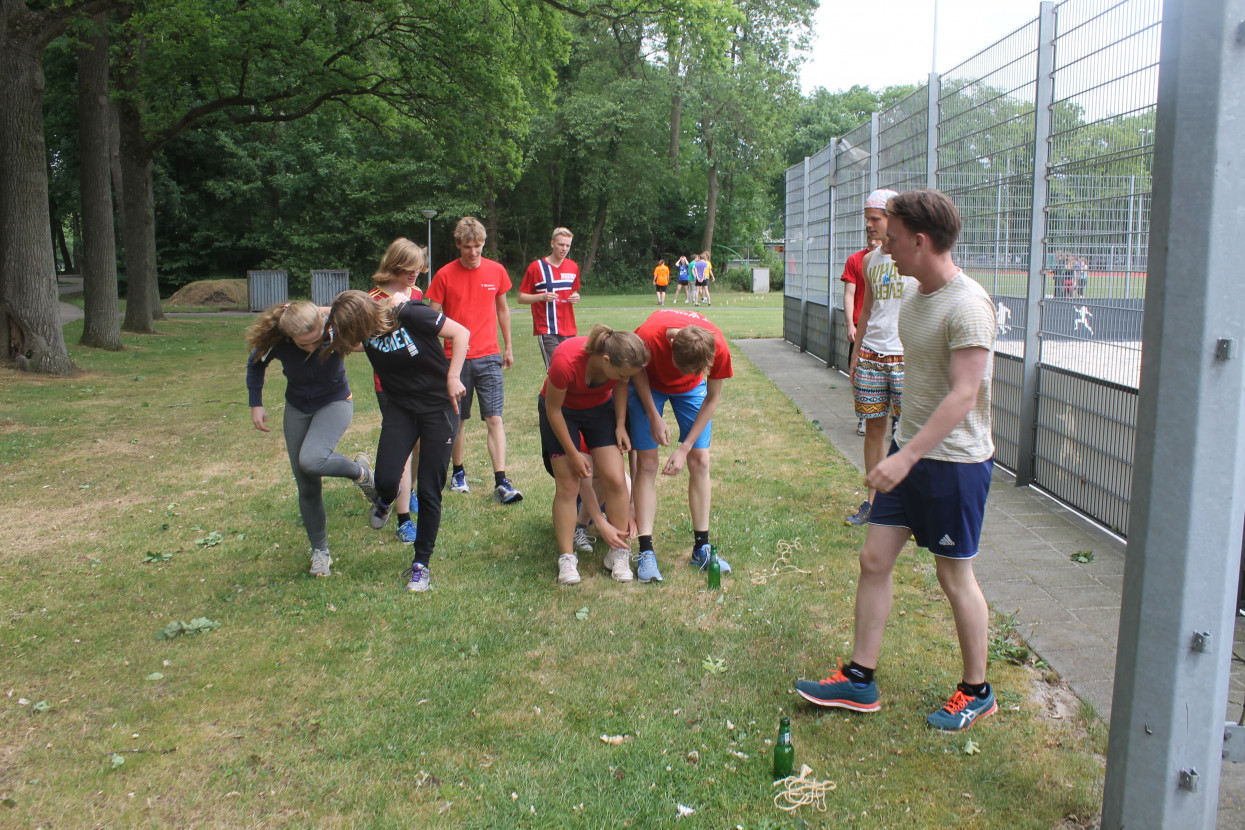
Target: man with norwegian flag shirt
[[551, 287]]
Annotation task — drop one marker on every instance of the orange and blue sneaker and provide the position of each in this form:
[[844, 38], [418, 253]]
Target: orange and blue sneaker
[[841, 692], [963, 710]]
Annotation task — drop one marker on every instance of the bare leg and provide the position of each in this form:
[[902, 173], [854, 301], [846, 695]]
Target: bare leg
[[875, 446], [644, 491], [972, 614], [698, 488], [564, 503], [875, 591], [496, 442]]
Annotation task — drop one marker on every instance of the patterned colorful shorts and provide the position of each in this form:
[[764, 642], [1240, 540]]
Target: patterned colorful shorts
[[878, 385]]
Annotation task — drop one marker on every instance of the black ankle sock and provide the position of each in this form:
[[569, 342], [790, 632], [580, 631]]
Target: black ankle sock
[[701, 538], [646, 543], [976, 690], [404, 517], [498, 477], [858, 673], [458, 468]]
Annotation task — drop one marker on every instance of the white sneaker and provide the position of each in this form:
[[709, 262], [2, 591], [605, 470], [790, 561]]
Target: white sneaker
[[568, 569], [583, 542], [320, 561], [618, 563]]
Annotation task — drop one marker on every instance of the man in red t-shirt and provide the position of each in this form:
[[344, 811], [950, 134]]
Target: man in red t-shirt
[[684, 348], [551, 287], [471, 290], [853, 301]]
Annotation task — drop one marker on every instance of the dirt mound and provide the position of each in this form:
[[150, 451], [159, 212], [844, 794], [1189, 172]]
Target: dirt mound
[[217, 293]]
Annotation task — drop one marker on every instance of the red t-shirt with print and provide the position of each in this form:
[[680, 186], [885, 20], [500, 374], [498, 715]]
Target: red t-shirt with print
[[468, 296], [568, 369], [662, 373]]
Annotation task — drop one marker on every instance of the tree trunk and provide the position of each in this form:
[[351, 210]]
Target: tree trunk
[[595, 240], [711, 206], [490, 218], [30, 327], [138, 224], [673, 48], [58, 237], [102, 326]]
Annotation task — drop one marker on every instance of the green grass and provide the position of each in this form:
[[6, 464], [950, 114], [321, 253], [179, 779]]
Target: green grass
[[346, 702]]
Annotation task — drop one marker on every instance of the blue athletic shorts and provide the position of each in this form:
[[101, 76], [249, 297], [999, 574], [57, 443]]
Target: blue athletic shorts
[[686, 406], [941, 502]]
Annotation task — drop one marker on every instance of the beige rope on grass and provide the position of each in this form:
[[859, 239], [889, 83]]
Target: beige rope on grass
[[801, 790], [782, 565]]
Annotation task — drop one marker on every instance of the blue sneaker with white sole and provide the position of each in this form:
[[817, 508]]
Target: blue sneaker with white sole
[[700, 558], [406, 532], [962, 711]]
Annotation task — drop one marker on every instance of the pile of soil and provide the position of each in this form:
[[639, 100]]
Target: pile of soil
[[223, 294]]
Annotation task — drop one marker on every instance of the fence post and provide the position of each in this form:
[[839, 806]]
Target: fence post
[[1042, 104], [831, 283], [804, 262], [934, 91], [873, 152], [1176, 615]]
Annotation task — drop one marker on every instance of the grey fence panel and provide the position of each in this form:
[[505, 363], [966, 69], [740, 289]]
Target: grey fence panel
[[327, 284], [1086, 432], [794, 245], [265, 289], [902, 142]]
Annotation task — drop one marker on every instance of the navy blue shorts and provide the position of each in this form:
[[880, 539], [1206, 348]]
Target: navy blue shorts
[[941, 502]]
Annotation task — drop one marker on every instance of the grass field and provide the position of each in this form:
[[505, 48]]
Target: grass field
[[137, 494]]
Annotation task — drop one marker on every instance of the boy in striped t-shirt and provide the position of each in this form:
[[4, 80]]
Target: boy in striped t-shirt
[[933, 484]]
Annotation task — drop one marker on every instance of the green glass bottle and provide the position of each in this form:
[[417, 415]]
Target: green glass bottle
[[784, 752], [714, 568]]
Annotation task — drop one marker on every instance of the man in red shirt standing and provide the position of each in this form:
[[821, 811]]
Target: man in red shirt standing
[[471, 290], [684, 347], [551, 287]]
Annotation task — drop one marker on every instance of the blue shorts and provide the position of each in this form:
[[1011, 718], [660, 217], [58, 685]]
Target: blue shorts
[[941, 502], [686, 406]]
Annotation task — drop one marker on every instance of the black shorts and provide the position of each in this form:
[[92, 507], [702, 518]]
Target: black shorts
[[592, 428], [661, 289]]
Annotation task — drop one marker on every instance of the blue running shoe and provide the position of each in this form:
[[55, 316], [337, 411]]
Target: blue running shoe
[[646, 567], [458, 482], [414, 503], [406, 532], [504, 493], [962, 711], [419, 578], [700, 558], [840, 692]]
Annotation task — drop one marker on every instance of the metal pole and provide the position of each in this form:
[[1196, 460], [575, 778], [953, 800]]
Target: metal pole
[[933, 91], [873, 152], [804, 261], [998, 231], [1188, 499], [1128, 238], [1036, 287]]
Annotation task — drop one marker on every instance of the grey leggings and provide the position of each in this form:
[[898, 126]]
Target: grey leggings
[[311, 441]]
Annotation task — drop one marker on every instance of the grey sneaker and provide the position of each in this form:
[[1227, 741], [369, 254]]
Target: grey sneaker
[[861, 517], [320, 561], [379, 516], [646, 567], [367, 483], [504, 493], [568, 569], [618, 563], [583, 542], [419, 578]]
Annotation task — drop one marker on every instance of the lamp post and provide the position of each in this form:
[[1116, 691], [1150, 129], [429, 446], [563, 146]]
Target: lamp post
[[429, 214]]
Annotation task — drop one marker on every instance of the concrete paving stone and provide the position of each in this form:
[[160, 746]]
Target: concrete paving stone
[[1070, 637], [1037, 558], [1078, 598], [1059, 575], [1097, 693], [1006, 597], [1105, 622], [1113, 581]]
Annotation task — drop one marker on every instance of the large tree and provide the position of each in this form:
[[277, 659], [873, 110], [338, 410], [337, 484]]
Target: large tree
[[30, 328]]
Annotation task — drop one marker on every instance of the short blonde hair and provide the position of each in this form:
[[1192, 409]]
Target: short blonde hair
[[402, 255], [560, 232], [469, 229], [693, 350]]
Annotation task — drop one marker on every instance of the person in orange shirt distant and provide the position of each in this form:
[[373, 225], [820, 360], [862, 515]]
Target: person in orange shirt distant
[[661, 278]]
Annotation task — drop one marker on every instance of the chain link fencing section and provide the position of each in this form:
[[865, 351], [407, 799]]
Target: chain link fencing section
[[1044, 141]]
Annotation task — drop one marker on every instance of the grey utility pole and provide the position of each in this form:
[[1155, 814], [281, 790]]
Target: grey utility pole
[[1172, 669]]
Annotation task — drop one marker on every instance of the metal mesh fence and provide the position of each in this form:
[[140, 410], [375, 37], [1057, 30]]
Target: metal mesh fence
[[1093, 144]]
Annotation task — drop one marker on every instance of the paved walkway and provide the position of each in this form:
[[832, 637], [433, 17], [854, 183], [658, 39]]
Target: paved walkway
[[1068, 612]]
